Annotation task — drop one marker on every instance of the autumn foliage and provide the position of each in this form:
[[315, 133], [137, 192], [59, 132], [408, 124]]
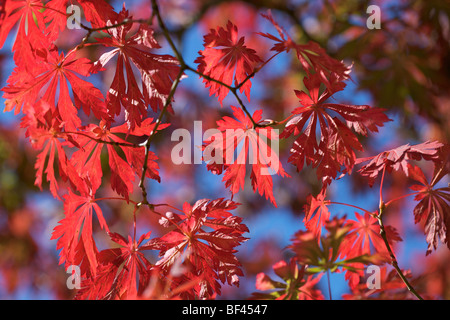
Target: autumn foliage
[[96, 111]]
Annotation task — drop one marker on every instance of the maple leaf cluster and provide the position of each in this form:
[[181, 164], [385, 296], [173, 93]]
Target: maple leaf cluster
[[75, 126]]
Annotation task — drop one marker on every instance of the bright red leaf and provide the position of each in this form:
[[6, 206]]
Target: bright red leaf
[[74, 232], [122, 273], [227, 59], [252, 145], [337, 143], [205, 238], [157, 71], [87, 159], [364, 238], [42, 81], [27, 12], [316, 214], [44, 131]]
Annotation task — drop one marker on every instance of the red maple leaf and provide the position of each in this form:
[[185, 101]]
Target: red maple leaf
[[311, 55], [44, 131], [87, 159], [296, 286], [316, 213], [398, 158], [433, 206], [205, 238], [227, 59], [337, 141], [42, 81], [97, 12], [122, 273], [364, 238], [29, 15], [157, 71], [392, 287], [252, 146], [74, 232]]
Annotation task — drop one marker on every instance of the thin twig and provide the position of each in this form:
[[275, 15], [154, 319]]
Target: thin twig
[[394, 262], [352, 206], [329, 284], [155, 12], [383, 235], [162, 25], [152, 134]]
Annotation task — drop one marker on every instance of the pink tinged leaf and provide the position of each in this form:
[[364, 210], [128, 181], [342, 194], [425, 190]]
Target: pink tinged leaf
[[398, 159]]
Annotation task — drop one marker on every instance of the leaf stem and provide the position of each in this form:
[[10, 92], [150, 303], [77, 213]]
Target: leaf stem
[[152, 134], [352, 206], [115, 198], [401, 197], [155, 11], [381, 186], [329, 284], [394, 262]]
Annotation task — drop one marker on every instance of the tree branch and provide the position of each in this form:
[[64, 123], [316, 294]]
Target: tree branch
[[152, 134]]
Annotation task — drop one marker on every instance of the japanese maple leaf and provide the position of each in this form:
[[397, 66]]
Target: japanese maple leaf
[[390, 284], [157, 71], [227, 59], [325, 254], [311, 55], [55, 71], [87, 159], [44, 130], [31, 39], [175, 286], [56, 17], [75, 231], [433, 207], [296, 286], [337, 140], [316, 213], [252, 146], [97, 12], [122, 273], [27, 12], [398, 158], [205, 237], [364, 238]]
